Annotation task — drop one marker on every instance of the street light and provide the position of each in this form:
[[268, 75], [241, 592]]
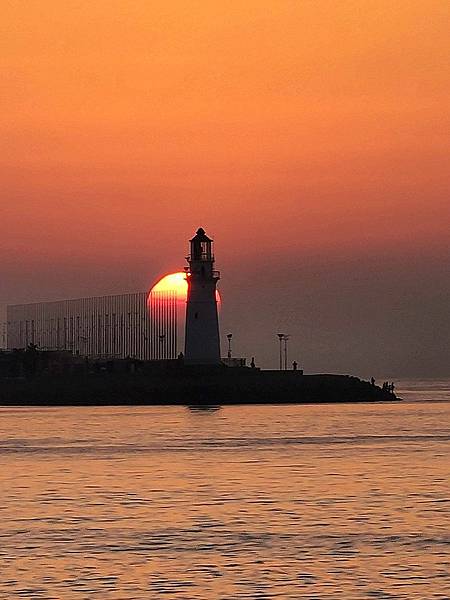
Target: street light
[[229, 336], [286, 338], [162, 346], [281, 338]]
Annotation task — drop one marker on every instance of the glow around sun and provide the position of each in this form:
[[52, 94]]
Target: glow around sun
[[176, 282]]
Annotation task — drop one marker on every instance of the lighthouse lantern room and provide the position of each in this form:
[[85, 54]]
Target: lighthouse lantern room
[[202, 342]]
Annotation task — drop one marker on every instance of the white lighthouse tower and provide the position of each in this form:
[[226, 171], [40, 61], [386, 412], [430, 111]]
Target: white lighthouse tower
[[202, 343]]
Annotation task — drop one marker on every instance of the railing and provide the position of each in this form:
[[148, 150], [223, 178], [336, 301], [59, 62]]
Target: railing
[[203, 257], [213, 274]]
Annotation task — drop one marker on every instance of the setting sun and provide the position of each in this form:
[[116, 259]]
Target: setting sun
[[176, 282]]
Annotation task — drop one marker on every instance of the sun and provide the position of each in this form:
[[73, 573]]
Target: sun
[[176, 282]]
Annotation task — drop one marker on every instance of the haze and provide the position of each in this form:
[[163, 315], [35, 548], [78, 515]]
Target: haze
[[310, 139]]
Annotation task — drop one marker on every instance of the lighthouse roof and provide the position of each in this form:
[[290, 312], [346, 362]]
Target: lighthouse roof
[[201, 236]]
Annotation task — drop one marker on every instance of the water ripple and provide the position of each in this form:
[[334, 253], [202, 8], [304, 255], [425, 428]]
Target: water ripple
[[240, 503]]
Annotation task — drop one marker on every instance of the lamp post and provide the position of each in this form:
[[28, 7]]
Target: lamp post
[[229, 336], [286, 338], [281, 338], [162, 346]]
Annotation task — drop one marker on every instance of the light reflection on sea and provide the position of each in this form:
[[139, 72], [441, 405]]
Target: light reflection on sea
[[334, 501]]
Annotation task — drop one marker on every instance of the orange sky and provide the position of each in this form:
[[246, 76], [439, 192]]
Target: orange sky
[[315, 128]]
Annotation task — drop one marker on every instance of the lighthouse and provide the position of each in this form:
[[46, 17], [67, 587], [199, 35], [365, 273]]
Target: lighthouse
[[202, 343]]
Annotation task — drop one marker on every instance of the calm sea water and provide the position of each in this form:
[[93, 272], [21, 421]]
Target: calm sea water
[[334, 501]]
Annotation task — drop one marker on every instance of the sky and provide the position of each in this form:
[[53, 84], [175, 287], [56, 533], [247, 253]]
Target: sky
[[309, 138]]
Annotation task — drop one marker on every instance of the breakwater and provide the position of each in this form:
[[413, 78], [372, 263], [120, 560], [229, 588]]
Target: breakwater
[[187, 385]]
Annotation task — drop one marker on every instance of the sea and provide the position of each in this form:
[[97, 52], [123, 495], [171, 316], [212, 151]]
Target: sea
[[348, 501]]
